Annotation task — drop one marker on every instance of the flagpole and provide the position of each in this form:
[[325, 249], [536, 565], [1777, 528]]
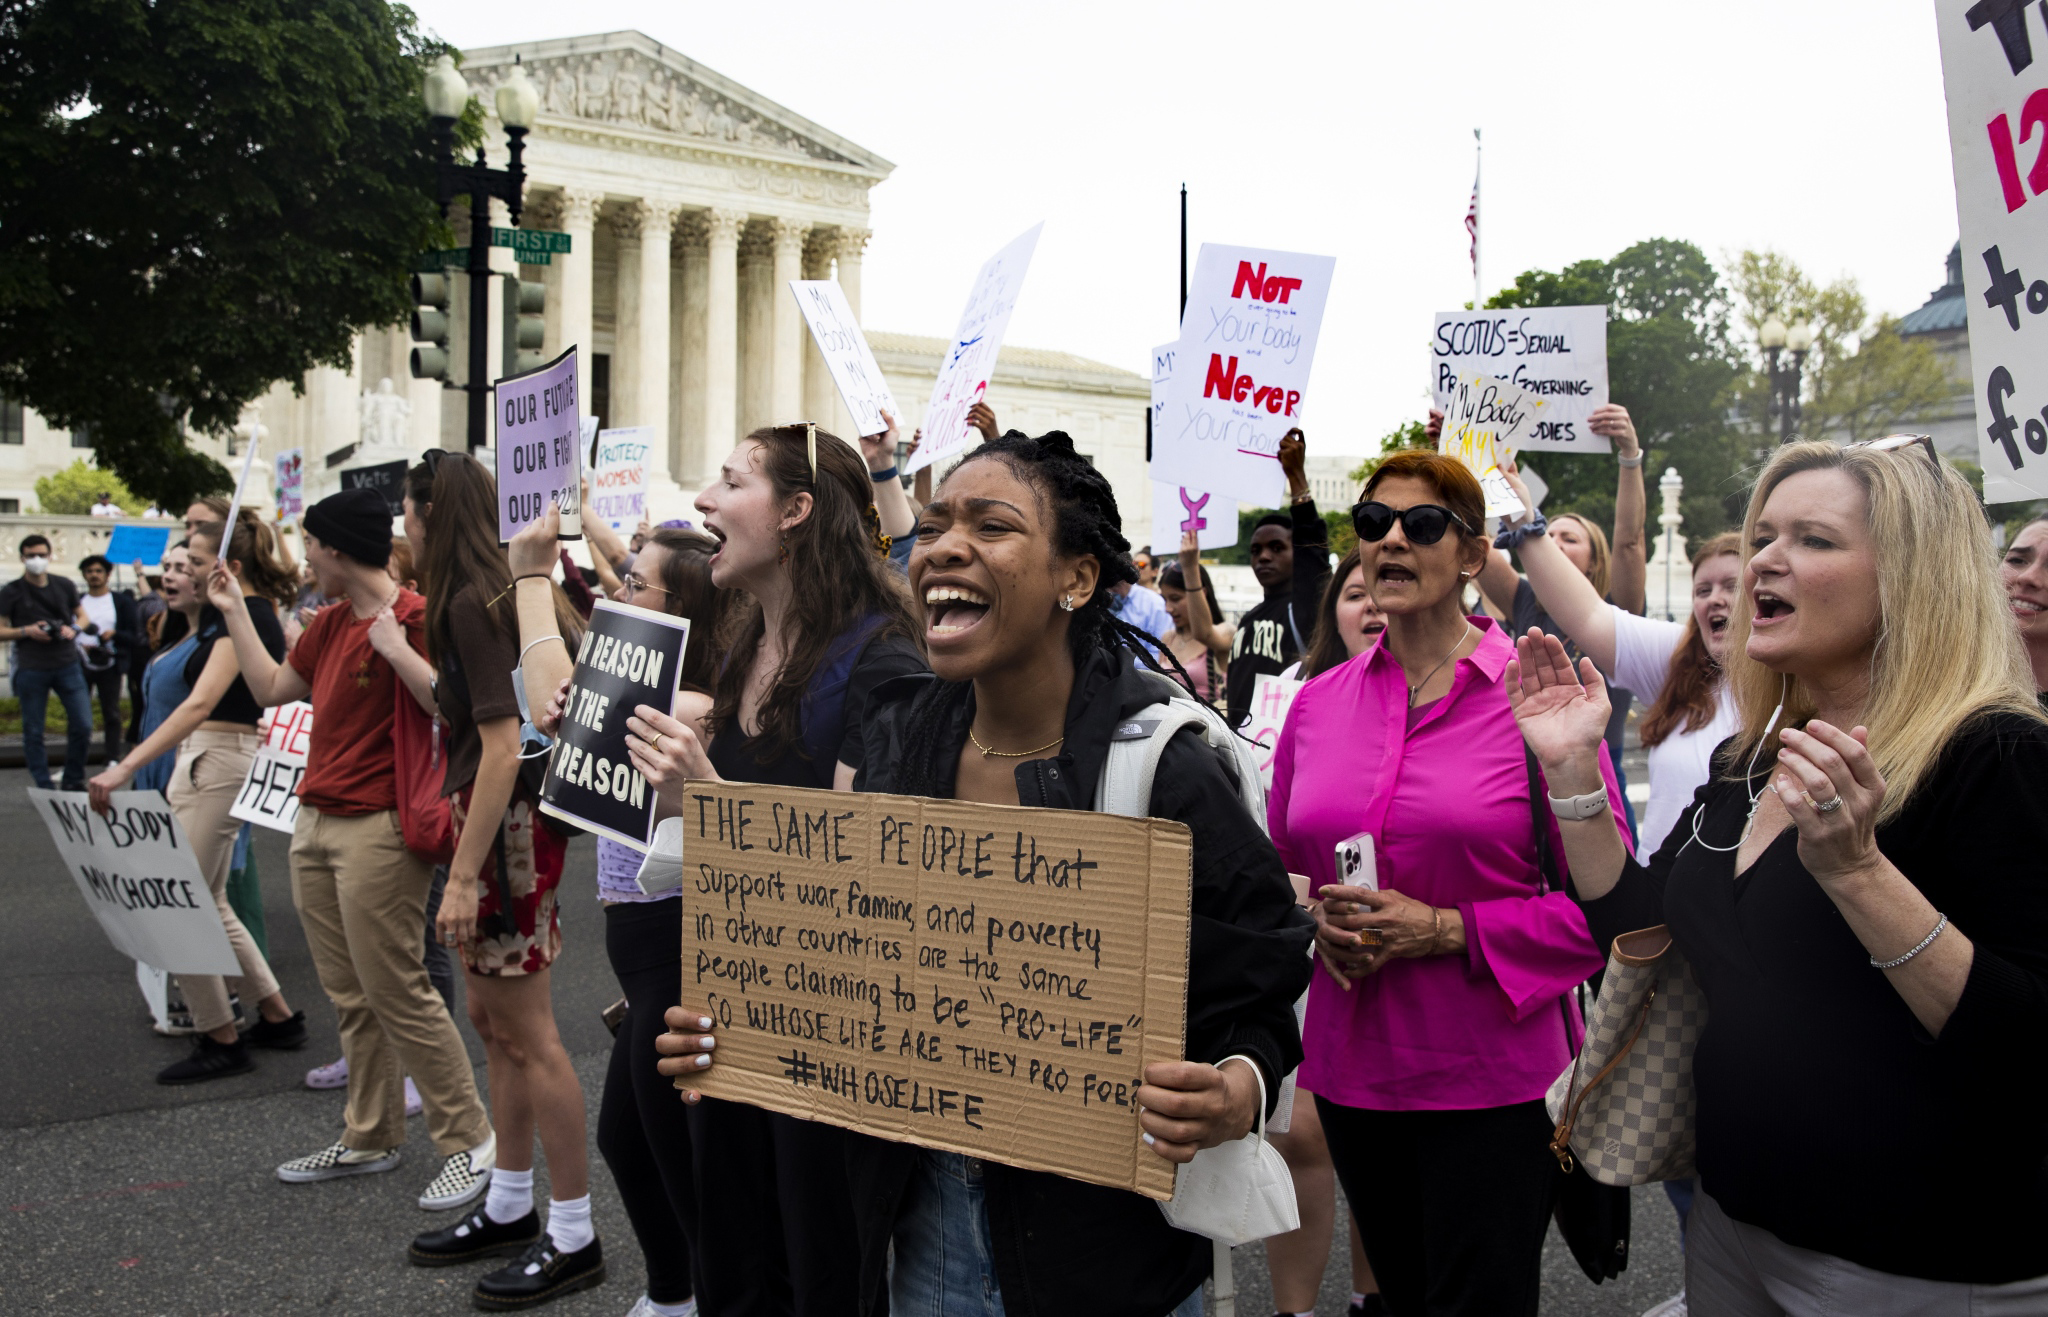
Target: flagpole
[[1478, 159]]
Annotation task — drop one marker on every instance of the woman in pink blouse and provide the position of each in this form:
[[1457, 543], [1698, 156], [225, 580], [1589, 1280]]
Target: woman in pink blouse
[[1445, 1013]]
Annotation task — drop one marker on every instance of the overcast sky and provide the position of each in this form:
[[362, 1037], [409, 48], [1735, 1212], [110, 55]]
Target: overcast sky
[[1815, 127]]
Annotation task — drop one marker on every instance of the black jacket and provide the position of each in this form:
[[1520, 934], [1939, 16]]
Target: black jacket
[[1062, 1246], [1279, 629]]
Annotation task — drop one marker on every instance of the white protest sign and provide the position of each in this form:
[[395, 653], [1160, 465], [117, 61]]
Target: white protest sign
[[836, 331], [1177, 510], [138, 876], [241, 486], [540, 462], [971, 356], [1272, 697], [1553, 354], [1484, 419], [618, 476], [1247, 340], [1994, 64], [270, 794]]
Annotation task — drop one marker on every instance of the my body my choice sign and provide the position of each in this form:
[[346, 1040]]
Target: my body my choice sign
[[985, 979], [629, 657], [137, 873]]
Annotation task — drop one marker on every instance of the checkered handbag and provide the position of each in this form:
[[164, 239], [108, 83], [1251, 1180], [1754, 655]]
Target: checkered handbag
[[1632, 1122]]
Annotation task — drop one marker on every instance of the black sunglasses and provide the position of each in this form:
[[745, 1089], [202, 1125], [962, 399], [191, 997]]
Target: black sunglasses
[[1425, 523]]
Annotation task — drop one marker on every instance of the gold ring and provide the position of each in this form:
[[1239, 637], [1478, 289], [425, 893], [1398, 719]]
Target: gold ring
[[655, 744]]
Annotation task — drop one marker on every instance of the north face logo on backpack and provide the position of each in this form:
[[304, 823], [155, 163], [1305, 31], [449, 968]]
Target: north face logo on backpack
[[1134, 730]]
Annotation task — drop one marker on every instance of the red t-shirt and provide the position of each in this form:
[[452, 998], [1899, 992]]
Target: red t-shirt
[[348, 762]]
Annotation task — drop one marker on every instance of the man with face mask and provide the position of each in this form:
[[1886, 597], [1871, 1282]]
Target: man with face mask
[[42, 616]]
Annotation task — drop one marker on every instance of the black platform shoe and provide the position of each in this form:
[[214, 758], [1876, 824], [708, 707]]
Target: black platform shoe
[[475, 1236], [540, 1275]]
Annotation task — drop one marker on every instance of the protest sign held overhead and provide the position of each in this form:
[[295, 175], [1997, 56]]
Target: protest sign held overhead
[[145, 544], [629, 657], [1554, 354], [836, 331], [618, 476], [1996, 76], [1175, 508], [971, 356], [387, 478], [983, 979], [288, 484], [138, 876], [540, 462], [1247, 340], [1484, 419], [270, 794]]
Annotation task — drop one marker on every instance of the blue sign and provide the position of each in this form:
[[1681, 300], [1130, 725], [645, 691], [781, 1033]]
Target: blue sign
[[143, 544]]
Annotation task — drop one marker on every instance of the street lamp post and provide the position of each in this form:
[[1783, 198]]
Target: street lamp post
[[447, 94], [1775, 339]]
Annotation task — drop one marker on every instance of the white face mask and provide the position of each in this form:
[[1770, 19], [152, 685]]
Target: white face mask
[[36, 563]]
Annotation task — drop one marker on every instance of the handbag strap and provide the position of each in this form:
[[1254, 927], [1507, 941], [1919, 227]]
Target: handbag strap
[[1259, 1125]]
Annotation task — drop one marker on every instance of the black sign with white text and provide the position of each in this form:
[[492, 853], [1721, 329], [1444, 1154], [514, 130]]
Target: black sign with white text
[[629, 657]]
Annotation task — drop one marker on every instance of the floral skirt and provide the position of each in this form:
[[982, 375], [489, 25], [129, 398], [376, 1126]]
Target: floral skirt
[[526, 938]]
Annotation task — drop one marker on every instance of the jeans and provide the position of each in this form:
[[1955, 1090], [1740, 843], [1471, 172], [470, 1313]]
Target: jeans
[[33, 686], [945, 1259], [107, 686]]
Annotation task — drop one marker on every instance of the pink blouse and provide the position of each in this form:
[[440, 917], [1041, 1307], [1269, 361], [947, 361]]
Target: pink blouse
[[1447, 803]]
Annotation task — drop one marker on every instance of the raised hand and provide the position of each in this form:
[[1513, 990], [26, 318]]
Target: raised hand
[[1563, 714], [983, 418], [533, 550], [1612, 422], [1825, 765]]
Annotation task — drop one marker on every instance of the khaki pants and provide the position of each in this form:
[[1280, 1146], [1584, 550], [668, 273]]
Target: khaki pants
[[210, 770], [362, 897]]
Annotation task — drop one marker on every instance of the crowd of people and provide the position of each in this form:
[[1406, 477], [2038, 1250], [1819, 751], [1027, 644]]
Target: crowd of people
[[1847, 761]]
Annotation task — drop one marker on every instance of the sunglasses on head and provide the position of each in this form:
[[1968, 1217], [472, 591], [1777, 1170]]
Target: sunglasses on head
[[1425, 523], [1893, 442]]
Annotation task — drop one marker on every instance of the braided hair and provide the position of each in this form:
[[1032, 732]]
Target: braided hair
[[1085, 522]]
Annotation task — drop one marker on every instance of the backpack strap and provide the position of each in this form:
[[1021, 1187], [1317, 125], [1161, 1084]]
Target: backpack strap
[[1125, 786]]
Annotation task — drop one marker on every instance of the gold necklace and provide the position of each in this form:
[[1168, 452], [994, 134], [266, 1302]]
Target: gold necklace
[[987, 751], [1416, 689]]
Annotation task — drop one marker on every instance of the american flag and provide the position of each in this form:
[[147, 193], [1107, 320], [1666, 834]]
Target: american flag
[[1472, 223]]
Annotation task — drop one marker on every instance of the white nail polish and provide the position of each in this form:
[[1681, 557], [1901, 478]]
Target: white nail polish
[[707, 1043], [703, 1022], [1147, 1138], [703, 1061]]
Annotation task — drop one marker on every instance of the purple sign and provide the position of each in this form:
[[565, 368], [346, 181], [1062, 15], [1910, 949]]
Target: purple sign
[[539, 456]]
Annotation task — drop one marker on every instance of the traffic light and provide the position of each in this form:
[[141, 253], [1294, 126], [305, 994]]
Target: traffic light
[[430, 293], [526, 302]]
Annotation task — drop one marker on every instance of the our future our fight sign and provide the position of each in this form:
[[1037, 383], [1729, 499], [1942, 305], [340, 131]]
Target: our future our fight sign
[[539, 450]]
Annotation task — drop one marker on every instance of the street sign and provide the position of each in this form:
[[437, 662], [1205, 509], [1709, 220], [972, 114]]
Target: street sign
[[534, 246]]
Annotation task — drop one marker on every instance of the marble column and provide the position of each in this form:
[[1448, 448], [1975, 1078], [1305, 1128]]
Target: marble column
[[821, 396], [691, 249], [577, 284], [545, 211], [624, 394], [650, 347], [852, 242], [721, 335], [786, 366], [757, 327]]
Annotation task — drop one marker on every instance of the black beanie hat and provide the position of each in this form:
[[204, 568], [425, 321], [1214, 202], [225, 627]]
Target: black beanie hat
[[356, 522]]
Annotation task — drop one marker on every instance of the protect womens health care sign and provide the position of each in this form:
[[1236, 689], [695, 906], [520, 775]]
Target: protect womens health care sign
[[540, 461], [971, 356], [1247, 340], [629, 657], [1994, 64], [1553, 355], [983, 979], [138, 876], [618, 476]]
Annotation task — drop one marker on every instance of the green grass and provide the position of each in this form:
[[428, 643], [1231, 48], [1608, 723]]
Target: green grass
[[54, 723]]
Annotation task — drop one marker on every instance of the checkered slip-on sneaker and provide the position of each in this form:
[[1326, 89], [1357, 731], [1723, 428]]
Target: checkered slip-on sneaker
[[463, 1178], [334, 1162]]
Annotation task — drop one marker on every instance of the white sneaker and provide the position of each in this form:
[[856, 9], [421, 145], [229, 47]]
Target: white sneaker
[[464, 1177], [334, 1162], [644, 1307], [1671, 1307]]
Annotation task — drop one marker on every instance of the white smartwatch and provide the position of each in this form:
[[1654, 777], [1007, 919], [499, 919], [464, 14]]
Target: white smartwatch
[[1590, 805]]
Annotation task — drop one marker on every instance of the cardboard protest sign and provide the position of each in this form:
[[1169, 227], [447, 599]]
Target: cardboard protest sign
[[836, 331], [143, 544], [618, 475], [270, 794], [1272, 697], [540, 460], [971, 357], [1996, 75], [1177, 509], [1556, 355], [1484, 419], [288, 483], [138, 876], [629, 657], [387, 478], [1247, 340], [983, 979]]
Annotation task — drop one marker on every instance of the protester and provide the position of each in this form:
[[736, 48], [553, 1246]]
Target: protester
[[1616, 576], [644, 1138], [214, 731], [1446, 1013], [1148, 571], [361, 894], [1012, 556], [1141, 609], [43, 616], [1348, 622], [821, 621], [1888, 971], [1199, 638], [104, 506], [149, 612], [164, 688], [110, 634], [2024, 573], [1290, 558]]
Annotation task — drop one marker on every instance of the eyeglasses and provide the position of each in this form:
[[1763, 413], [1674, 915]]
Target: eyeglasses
[[1892, 442], [635, 584], [1425, 523]]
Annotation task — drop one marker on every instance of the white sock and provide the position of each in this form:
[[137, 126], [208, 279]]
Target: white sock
[[510, 1196], [687, 1308], [1357, 1299], [569, 1223]]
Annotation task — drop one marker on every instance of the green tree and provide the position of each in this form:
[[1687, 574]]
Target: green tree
[[197, 200], [72, 491], [1669, 361]]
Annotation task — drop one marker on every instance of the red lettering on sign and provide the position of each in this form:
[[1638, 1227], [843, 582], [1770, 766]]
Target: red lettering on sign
[[1223, 381], [1260, 285]]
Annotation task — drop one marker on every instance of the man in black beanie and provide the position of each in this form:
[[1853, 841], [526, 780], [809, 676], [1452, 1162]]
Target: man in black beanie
[[361, 894]]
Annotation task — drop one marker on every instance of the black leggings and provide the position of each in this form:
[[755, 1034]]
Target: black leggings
[[641, 1129], [1452, 1205]]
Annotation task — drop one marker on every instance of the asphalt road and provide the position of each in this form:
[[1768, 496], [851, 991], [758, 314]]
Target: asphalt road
[[124, 1197]]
